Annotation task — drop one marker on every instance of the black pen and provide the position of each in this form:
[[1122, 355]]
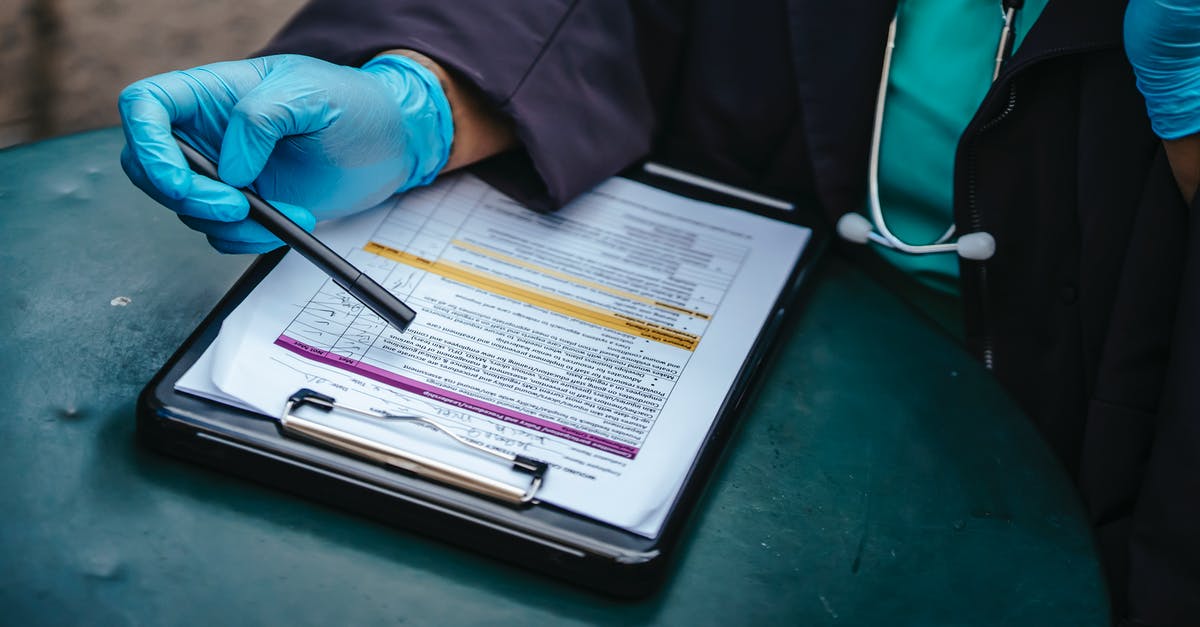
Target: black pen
[[349, 278]]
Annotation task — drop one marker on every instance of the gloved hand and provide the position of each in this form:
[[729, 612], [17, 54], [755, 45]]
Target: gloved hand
[[317, 140], [1162, 40]]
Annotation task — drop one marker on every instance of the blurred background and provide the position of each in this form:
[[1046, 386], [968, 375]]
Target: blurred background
[[63, 62]]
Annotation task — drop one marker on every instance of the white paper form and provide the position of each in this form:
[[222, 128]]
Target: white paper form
[[601, 339]]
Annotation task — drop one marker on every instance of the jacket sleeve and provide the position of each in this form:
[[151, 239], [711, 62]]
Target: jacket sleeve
[[568, 73]]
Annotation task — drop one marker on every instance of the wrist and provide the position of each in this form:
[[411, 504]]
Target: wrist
[[1184, 156], [424, 111], [480, 130]]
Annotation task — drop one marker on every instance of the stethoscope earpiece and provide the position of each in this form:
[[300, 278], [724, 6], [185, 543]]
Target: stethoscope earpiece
[[979, 246], [853, 227]]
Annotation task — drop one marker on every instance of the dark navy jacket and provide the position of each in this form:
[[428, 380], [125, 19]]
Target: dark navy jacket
[[1079, 313]]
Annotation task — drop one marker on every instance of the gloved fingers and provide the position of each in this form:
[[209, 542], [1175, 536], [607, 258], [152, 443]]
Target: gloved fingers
[[155, 163], [197, 102], [137, 175], [147, 112], [234, 237], [205, 198], [150, 108], [234, 247], [247, 235], [287, 102]]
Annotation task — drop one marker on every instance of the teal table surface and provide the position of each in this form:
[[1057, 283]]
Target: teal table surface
[[882, 477]]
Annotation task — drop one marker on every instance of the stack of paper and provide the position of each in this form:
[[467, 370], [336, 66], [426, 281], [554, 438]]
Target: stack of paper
[[601, 339]]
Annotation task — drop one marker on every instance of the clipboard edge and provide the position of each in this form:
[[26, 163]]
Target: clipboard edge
[[633, 568]]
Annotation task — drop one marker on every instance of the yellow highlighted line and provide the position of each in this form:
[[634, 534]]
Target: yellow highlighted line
[[545, 300], [577, 280]]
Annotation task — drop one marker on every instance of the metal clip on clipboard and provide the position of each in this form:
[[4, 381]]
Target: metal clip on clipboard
[[419, 465]]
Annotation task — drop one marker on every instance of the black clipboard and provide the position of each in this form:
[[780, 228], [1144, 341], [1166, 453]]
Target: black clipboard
[[540, 536]]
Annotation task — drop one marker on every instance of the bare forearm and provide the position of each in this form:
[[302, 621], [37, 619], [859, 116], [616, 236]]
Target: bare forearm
[[480, 131], [1184, 155]]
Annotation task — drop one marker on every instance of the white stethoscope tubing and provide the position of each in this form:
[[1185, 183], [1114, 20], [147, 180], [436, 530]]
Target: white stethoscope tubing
[[883, 235], [856, 228]]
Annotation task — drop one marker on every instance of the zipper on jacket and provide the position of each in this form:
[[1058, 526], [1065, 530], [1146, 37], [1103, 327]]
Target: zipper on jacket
[[987, 350], [987, 344]]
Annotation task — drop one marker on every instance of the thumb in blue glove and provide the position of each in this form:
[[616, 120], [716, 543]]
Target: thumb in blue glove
[[1162, 40], [317, 140]]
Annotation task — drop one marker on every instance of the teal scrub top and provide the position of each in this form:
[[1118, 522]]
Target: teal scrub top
[[941, 69]]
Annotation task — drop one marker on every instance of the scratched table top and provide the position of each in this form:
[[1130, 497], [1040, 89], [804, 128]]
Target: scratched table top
[[882, 477]]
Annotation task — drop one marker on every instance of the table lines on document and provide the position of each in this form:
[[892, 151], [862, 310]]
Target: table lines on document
[[578, 328], [335, 321]]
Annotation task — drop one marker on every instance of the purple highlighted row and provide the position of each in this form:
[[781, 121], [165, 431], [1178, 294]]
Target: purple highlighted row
[[456, 400]]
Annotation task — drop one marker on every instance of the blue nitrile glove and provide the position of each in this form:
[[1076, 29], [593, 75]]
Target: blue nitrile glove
[[1162, 39], [347, 138]]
